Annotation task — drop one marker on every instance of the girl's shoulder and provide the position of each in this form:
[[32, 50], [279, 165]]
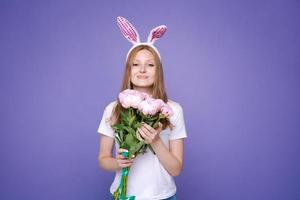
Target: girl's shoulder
[[109, 107], [175, 106], [177, 110]]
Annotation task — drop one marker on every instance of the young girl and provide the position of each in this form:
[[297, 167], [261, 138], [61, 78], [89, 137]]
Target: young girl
[[151, 175]]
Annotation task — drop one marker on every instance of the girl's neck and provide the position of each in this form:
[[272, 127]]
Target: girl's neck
[[144, 89]]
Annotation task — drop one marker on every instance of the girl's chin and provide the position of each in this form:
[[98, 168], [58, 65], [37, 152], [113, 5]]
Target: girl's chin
[[142, 85]]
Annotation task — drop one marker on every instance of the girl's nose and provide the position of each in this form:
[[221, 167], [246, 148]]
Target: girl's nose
[[143, 69]]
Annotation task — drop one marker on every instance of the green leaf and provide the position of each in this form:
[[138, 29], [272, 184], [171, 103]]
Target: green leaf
[[131, 120], [138, 146], [129, 140], [118, 140], [129, 130], [136, 125], [124, 118], [118, 127], [121, 135], [125, 145]]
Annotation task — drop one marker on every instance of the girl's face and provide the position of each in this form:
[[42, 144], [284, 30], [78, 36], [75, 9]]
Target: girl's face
[[143, 70]]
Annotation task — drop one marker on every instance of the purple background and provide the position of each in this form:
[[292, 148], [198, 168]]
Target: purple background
[[233, 65]]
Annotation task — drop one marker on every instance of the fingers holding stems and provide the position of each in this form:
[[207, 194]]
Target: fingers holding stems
[[148, 133], [123, 161]]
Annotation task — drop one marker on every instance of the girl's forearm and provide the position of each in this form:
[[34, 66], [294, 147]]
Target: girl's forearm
[[108, 163], [166, 158]]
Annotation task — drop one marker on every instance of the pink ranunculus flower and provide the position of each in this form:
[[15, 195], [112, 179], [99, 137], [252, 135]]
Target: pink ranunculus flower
[[157, 104], [166, 110], [150, 106], [145, 107], [130, 98]]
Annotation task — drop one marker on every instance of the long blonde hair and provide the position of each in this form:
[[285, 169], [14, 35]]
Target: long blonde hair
[[158, 90]]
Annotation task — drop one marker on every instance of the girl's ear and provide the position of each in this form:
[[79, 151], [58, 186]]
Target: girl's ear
[[156, 33], [128, 30]]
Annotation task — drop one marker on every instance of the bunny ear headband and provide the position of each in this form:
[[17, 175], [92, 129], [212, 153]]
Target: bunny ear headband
[[130, 33]]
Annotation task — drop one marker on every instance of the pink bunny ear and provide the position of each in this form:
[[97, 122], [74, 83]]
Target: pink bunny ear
[[156, 33], [128, 30]]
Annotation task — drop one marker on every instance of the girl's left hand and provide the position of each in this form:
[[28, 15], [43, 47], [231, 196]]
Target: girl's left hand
[[148, 133]]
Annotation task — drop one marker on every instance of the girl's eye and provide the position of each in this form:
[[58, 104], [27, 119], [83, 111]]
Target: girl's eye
[[151, 65], [135, 64]]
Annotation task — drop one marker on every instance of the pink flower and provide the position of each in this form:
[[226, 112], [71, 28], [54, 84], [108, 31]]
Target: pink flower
[[166, 110], [150, 106], [131, 98], [146, 104]]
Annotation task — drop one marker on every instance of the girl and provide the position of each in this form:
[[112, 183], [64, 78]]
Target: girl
[[151, 175]]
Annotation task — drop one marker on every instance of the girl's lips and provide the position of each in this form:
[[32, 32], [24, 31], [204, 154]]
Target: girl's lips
[[142, 76]]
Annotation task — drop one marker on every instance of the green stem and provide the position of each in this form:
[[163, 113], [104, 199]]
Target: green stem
[[157, 121], [142, 117]]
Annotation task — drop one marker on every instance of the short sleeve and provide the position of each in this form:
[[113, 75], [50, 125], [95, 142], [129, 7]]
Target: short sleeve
[[177, 121], [105, 127]]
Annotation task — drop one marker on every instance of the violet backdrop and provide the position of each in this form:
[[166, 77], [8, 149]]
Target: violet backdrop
[[232, 65]]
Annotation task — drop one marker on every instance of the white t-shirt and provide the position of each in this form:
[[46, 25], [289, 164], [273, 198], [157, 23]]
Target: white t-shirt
[[147, 178]]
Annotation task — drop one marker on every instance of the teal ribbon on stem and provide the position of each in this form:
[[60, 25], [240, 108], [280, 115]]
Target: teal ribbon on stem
[[120, 194]]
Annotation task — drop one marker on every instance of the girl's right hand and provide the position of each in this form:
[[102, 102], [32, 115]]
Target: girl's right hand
[[122, 161]]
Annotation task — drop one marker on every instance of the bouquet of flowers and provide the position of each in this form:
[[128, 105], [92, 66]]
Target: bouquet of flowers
[[139, 108]]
